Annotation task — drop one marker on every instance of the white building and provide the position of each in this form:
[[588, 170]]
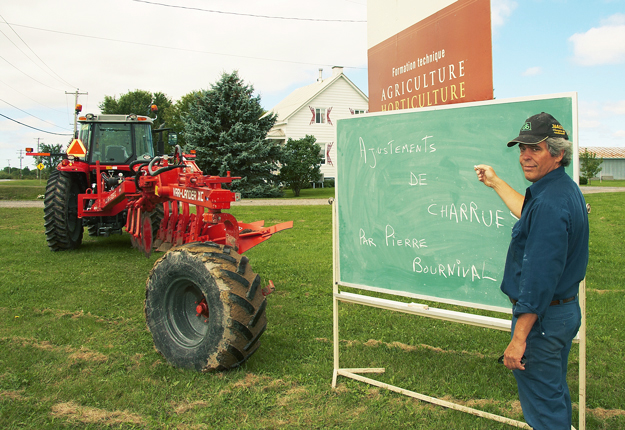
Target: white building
[[314, 110], [613, 166]]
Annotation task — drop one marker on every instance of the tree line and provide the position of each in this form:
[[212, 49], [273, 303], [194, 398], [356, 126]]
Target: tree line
[[227, 127]]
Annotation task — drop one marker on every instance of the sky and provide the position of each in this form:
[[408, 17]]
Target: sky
[[49, 50]]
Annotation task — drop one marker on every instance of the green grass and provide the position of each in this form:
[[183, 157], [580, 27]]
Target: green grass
[[614, 183], [311, 193], [75, 351], [24, 189]]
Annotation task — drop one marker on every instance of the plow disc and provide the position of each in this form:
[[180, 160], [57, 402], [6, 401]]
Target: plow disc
[[178, 228]]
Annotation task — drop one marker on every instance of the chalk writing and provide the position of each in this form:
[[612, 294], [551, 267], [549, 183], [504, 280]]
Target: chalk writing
[[417, 179], [468, 213], [369, 155], [391, 240], [365, 240], [456, 269]]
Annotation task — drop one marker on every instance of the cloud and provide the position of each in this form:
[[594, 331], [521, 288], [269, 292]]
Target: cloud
[[601, 45], [617, 108], [533, 71], [500, 10], [589, 124], [619, 133]]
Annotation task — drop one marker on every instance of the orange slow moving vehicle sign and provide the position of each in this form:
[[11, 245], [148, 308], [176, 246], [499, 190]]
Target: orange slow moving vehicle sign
[[77, 149], [445, 58]]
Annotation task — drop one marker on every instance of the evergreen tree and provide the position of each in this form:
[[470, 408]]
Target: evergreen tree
[[226, 127], [590, 165], [301, 162]]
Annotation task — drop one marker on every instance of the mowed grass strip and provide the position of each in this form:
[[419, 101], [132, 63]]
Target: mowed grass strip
[[75, 351]]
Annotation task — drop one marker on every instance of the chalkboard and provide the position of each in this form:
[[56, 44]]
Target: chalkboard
[[412, 218]]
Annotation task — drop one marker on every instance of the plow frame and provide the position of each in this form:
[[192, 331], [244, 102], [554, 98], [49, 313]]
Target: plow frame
[[175, 187]]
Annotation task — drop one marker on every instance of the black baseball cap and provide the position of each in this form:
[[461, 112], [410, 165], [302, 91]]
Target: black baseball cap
[[538, 128]]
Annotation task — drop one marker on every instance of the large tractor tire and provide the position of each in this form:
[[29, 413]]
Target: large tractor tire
[[64, 229], [204, 307]]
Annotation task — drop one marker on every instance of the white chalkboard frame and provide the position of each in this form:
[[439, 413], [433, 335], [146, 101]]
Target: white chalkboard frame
[[453, 316], [455, 301]]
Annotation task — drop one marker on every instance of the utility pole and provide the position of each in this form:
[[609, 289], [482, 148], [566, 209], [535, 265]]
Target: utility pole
[[38, 138], [20, 157], [9, 161], [76, 110]]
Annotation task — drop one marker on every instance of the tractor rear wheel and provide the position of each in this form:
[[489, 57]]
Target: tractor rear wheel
[[204, 307], [64, 229]]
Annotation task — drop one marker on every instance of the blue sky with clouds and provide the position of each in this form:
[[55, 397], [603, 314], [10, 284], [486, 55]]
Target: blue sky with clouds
[[110, 48], [543, 47]]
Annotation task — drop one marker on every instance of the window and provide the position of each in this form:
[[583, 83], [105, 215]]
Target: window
[[112, 143], [359, 111], [322, 153], [320, 116], [143, 140]]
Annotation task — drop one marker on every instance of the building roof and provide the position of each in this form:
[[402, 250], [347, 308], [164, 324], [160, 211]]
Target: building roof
[[604, 152], [302, 96]]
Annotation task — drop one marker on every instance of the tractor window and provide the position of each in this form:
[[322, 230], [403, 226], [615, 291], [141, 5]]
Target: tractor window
[[112, 143], [84, 134], [143, 141]]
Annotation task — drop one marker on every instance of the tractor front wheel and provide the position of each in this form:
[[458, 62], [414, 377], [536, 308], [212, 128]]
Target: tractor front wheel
[[204, 307], [64, 230]]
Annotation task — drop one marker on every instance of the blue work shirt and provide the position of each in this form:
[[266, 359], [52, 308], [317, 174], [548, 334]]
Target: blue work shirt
[[548, 253]]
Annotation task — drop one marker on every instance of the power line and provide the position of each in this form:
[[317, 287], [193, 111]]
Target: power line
[[30, 98], [249, 14], [178, 49], [34, 128], [27, 113], [26, 74], [31, 50]]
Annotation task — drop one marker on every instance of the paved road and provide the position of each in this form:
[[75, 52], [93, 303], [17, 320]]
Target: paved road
[[277, 202]]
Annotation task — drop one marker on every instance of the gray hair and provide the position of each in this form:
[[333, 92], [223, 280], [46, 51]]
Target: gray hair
[[558, 144]]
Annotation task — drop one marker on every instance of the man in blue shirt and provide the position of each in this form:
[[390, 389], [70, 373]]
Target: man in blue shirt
[[546, 261]]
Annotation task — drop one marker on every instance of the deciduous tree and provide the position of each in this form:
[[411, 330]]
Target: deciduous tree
[[300, 163], [589, 164], [137, 102]]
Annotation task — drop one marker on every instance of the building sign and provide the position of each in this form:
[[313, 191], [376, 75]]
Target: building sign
[[443, 59]]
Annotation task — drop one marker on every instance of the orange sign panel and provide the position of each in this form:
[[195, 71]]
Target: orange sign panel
[[76, 148], [444, 59]]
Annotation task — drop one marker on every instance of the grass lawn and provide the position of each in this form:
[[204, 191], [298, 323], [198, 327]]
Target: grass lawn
[[22, 189], [614, 183], [75, 351]]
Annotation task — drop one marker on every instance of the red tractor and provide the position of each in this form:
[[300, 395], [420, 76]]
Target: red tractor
[[204, 305]]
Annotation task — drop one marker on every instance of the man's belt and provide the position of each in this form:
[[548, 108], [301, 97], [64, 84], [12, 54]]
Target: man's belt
[[554, 302]]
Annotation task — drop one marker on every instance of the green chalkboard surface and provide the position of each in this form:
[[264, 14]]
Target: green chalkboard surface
[[412, 218]]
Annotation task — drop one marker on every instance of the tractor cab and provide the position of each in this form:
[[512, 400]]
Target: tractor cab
[[116, 139]]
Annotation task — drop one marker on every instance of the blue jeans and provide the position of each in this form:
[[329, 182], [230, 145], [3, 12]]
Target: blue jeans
[[543, 390]]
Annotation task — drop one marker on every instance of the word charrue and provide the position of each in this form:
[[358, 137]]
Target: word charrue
[[466, 213], [394, 149]]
